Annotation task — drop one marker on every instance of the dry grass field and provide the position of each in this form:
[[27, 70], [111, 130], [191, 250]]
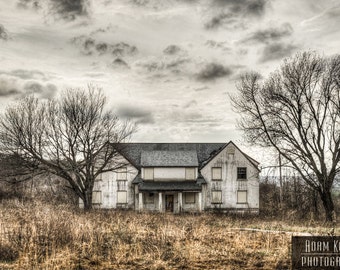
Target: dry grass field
[[39, 236]]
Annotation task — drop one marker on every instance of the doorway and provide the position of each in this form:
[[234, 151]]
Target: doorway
[[169, 203]]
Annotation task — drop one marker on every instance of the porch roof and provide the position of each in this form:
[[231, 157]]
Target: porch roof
[[199, 181], [170, 186]]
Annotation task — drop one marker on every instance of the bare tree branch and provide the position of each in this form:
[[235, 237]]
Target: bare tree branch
[[297, 112], [71, 137]]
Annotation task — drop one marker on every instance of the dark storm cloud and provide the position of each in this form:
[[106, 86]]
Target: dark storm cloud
[[89, 46], [70, 9], [230, 12], [3, 33], [277, 51], [248, 7], [213, 71], [218, 20], [270, 34], [138, 115], [119, 63]]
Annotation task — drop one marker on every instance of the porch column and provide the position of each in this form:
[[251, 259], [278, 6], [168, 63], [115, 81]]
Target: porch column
[[180, 202], [199, 201], [140, 201], [160, 202]]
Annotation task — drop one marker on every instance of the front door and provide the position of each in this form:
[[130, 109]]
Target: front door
[[169, 203]]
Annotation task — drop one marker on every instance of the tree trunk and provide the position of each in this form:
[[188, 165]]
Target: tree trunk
[[87, 200], [328, 205]]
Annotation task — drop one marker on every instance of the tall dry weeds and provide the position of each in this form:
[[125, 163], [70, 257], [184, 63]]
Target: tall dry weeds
[[39, 236]]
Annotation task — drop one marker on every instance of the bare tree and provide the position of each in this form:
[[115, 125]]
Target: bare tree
[[70, 137], [296, 110]]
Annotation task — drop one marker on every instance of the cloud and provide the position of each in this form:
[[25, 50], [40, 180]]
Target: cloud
[[232, 12], [43, 90], [172, 49], [156, 65], [119, 63], [89, 46], [246, 7], [270, 34], [8, 87], [136, 114], [27, 74], [212, 71], [191, 103], [3, 33], [14, 84], [69, 9], [218, 20], [277, 51], [222, 45], [34, 4]]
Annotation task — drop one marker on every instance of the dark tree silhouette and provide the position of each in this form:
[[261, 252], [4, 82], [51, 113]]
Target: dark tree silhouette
[[70, 137], [296, 110]]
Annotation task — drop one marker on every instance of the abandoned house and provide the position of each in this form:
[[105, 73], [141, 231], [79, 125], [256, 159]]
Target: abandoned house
[[181, 177]]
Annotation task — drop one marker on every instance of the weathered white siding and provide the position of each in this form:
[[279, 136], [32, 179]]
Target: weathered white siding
[[229, 159], [106, 187]]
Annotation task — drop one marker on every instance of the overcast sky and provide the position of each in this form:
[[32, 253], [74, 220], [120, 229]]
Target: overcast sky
[[168, 65]]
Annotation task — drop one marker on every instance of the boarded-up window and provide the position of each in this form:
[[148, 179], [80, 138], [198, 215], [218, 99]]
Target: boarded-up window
[[121, 197], [149, 198], [121, 185], [241, 196], [189, 197], [216, 173], [242, 173], [190, 174], [96, 197], [122, 174], [148, 173], [216, 196]]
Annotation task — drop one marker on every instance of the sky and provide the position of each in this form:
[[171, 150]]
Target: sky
[[170, 65]]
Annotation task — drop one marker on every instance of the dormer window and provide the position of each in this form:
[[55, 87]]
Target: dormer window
[[148, 174], [190, 173]]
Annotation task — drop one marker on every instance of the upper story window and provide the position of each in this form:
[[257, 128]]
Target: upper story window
[[190, 173], [122, 174], [216, 173], [148, 174], [241, 173]]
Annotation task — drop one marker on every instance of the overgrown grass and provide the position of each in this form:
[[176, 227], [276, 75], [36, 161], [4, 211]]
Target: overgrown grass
[[40, 236]]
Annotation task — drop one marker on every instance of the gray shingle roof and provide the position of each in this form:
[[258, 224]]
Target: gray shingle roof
[[169, 159], [132, 151], [169, 186]]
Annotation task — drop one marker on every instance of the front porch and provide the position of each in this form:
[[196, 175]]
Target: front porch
[[169, 197]]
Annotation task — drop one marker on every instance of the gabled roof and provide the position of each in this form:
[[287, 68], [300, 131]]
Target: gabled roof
[[133, 151], [251, 160], [205, 151], [169, 159]]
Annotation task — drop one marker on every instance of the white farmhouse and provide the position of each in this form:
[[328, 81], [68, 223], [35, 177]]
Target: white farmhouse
[[181, 177]]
